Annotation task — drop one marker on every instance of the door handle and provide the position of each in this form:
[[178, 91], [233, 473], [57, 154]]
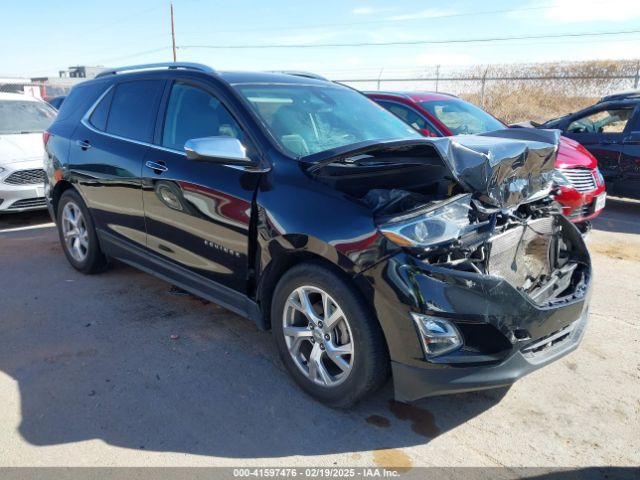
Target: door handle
[[157, 167], [608, 142], [84, 144]]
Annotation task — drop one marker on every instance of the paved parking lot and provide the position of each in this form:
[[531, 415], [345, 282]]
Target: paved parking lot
[[114, 369]]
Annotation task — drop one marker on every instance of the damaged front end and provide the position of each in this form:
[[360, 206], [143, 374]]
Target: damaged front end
[[483, 275], [506, 226]]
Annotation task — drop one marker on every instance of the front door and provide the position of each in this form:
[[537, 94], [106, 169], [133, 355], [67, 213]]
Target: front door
[[198, 213], [601, 131]]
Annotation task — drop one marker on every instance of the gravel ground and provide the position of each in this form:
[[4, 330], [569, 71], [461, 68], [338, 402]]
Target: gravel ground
[[114, 370]]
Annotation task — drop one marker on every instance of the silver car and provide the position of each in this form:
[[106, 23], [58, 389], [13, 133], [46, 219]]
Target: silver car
[[23, 120]]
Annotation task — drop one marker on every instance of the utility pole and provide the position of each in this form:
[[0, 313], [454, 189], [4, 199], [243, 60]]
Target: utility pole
[[173, 33]]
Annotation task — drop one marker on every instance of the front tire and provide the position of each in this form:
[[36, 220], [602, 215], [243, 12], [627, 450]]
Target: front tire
[[327, 337], [78, 235]]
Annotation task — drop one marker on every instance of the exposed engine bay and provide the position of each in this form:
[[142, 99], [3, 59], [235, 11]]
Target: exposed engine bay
[[477, 203]]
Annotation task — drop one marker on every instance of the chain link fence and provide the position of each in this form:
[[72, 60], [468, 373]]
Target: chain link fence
[[519, 92]]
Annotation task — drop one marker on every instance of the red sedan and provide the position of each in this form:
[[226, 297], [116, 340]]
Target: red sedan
[[441, 115]]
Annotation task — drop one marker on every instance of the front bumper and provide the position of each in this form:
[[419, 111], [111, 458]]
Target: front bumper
[[506, 335], [578, 206], [21, 197], [412, 383]]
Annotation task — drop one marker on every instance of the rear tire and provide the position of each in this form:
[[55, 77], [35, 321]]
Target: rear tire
[[327, 337], [78, 235]]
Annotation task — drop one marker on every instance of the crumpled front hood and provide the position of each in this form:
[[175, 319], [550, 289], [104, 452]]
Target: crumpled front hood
[[20, 147], [506, 167]]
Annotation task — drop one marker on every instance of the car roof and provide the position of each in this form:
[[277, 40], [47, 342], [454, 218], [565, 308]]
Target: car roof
[[625, 95], [18, 96], [230, 77], [235, 78], [415, 96]]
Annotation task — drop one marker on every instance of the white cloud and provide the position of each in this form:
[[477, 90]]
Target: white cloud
[[619, 50], [370, 10], [429, 13], [575, 11], [444, 58], [308, 38], [363, 11]]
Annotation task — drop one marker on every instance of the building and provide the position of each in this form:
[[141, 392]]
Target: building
[[81, 71]]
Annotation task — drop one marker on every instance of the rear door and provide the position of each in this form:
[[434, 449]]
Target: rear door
[[198, 213], [107, 152], [630, 154], [601, 130]]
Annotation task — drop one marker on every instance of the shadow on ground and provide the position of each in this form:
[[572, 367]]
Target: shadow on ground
[[25, 219], [619, 215], [94, 358]]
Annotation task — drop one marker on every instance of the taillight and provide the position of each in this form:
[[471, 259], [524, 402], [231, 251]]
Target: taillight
[[45, 137]]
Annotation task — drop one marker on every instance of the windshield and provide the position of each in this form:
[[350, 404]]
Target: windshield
[[461, 117], [307, 119], [24, 116]]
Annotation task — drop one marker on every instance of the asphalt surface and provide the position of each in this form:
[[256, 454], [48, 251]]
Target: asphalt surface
[[115, 370]]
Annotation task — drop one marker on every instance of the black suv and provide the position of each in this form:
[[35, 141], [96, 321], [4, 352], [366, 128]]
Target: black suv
[[610, 130], [304, 206]]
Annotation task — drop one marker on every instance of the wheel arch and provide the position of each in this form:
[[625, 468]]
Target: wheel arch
[[282, 255], [60, 187]]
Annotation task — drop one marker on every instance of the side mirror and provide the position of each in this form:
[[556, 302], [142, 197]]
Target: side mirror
[[223, 150]]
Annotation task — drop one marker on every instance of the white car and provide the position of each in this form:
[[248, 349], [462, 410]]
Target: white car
[[22, 121]]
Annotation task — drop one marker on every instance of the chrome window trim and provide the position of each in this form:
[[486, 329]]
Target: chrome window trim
[[85, 121]]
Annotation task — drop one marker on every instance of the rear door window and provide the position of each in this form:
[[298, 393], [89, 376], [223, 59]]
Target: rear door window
[[133, 109]]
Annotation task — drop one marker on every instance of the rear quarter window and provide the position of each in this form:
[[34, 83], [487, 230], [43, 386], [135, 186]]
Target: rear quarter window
[[101, 113], [79, 101], [133, 109]]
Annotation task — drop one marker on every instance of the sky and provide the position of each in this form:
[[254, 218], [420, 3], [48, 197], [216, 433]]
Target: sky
[[52, 35]]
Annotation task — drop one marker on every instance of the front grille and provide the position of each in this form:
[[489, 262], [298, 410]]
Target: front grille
[[580, 178], [26, 177], [545, 344], [522, 253], [581, 211], [29, 203]]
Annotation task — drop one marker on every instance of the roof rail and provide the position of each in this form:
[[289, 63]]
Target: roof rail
[[297, 73], [627, 95], [154, 66]]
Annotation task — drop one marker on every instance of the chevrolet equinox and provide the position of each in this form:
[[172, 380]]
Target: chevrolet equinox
[[299, 203]]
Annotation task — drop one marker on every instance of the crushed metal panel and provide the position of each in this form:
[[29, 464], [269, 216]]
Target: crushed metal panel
[[507, 167]]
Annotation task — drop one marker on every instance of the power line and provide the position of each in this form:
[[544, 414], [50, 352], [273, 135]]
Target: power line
[[409, 42]]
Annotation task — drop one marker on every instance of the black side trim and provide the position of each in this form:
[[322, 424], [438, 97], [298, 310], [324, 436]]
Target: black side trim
[[153, 264]]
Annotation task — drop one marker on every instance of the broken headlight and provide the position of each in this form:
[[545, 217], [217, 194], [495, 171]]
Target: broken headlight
[[432, 226]]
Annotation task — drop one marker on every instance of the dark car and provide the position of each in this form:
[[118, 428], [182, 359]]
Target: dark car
[[56, 102], [436, 114], [610, 130], [306, 207]]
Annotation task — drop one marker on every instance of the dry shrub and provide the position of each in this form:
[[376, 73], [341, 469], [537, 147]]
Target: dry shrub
[[527, 103], [539, 92]]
